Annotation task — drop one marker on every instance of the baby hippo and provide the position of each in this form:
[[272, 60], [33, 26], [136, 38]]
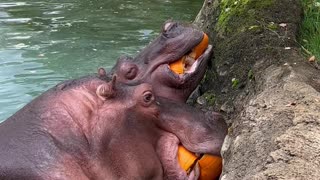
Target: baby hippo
[[98, 128]]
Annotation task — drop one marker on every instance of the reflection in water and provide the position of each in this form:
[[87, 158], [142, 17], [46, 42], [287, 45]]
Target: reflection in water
[[44, 42]]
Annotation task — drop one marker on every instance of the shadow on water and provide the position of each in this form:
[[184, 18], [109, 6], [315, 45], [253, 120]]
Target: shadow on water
[[45, 42]]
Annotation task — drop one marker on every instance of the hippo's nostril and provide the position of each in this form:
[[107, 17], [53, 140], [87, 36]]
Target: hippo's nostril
[[166, 26]]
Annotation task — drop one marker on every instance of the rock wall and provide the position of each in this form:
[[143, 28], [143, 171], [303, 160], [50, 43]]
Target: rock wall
[[267, 90]]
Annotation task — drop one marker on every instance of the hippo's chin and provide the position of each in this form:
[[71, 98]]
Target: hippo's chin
[[197, 69]]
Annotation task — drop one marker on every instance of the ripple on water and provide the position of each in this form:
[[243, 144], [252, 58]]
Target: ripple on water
[[16, 97], [18, 76], [13, 4], [3, 14], [15, 20], [19, 37], [52, 12]]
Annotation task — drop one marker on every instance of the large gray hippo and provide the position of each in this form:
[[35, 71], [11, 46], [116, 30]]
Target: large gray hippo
[[97, 128], [151, 65]]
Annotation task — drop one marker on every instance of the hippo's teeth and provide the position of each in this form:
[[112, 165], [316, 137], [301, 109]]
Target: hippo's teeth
[[193, 54], [192, 68], [186, 64], [189, 62]]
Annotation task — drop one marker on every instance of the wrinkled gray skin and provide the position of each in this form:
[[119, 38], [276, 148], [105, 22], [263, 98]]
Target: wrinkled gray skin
[[97, 128], [151, 64]]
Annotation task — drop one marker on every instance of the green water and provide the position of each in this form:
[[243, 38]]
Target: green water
[[45, 42]]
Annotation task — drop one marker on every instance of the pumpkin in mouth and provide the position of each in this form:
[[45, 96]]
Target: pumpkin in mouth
[[210, 166], [184, 64]]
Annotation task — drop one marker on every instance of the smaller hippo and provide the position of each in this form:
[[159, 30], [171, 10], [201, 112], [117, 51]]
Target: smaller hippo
[[98, 128]]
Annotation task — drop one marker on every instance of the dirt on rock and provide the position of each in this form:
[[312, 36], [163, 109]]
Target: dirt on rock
[[267, 90]]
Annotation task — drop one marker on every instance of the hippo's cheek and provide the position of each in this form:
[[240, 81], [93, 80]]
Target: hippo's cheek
[[151, 110]]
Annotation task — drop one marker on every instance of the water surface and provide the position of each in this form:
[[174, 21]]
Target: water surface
[[45, 42]]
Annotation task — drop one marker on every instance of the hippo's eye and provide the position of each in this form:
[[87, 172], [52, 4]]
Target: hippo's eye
[[148, 97]]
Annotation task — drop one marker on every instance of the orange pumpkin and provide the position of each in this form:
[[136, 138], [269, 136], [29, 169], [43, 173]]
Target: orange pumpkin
[[186, 158], [178, 66], [210, 166], [201, 47]]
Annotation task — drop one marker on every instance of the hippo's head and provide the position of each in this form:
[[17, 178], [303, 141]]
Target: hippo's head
[[152, 65], [139, 98]]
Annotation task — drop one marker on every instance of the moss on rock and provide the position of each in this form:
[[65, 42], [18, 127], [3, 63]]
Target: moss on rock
[[239, 15], [250, 75], [209, 97], [235, 83]]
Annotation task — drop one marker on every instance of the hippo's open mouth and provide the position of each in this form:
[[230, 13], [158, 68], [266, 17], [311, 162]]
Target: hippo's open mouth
[[190, 65]]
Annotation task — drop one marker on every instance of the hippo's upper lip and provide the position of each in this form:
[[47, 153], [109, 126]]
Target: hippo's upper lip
[[199, 63]]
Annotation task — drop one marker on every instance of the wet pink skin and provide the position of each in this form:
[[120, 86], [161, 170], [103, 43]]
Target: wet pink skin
[[98, 128]]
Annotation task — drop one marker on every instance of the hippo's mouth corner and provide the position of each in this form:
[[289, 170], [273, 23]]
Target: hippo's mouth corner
[[190, 65]]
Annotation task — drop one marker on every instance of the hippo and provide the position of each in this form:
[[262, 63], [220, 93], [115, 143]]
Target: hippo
[[95, 127], [151, 65]]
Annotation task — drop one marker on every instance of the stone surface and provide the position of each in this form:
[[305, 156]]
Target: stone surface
[[275, 122]]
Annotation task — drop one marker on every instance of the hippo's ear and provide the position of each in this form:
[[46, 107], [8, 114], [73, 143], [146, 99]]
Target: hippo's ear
[[107, 90], [102, 72], [113, 81]]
